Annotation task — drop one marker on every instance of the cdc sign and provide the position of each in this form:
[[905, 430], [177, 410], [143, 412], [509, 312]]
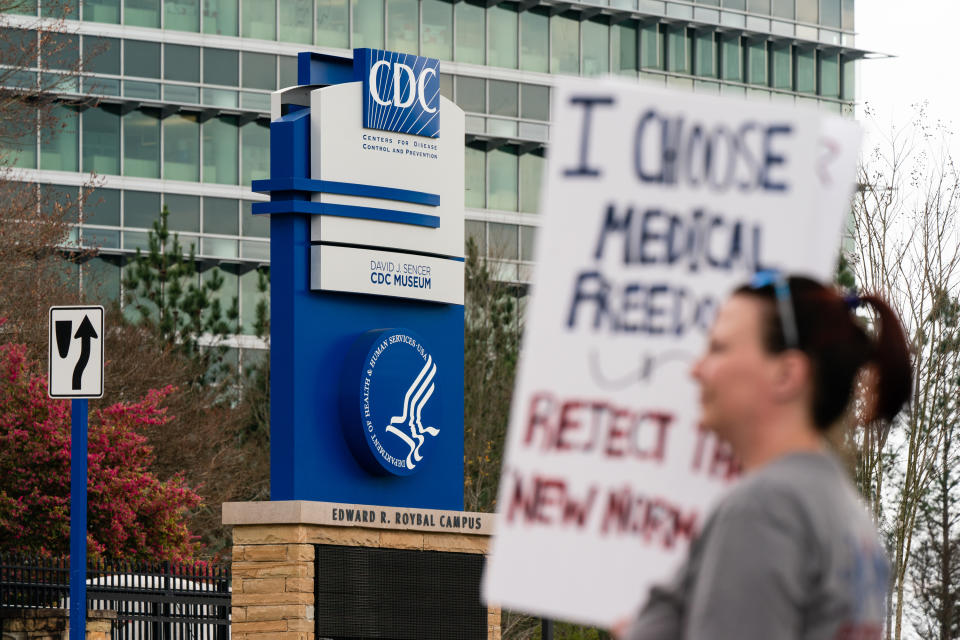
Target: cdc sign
[[366, 250]]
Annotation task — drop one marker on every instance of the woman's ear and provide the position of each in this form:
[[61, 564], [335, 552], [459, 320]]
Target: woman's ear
[[791, 375]]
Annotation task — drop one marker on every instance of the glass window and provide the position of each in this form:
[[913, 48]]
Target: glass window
[[181, 148], [140, 209], [470, 29], [259, 71], [596, 48], [220, 17], [847, 14], [780, 66], [184, 212], [255, 152], [59, 51], [221, 66], [259, 19], [367, 23], [141, 144], [534, 41], [807, 11], [402, 22], [60, 199], [830, 13], [504, 98], [141, 58], [181, 15], [502, 187], [757, 62], [650, 47], [446, 86], [332, 23], [782, 9], [531, 173], [535, 101], [286, 71], [759, 6], [849, 80], [564, 44], [141, 13], [181, 62], [705, 46], [18, 148], [251, 225], [806, 71], [731, 58], [102, 206], [624, 47], [475, 179], [101, 55], [740, 5], [60, 140], [18, 47], [528, 236], [436, 35], [502, 44], [221, 150], [503, 241], [24, 8], [678, 53], [101, 140], [829, 75], [471, 94], [68, 9], [477, 231], [101, 279], [295, 20], [220, 216]]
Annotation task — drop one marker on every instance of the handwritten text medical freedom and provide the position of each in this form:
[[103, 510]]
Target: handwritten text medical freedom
[[674, 152]]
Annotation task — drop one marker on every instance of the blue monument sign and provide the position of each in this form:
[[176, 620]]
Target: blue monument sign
[[366, 275]]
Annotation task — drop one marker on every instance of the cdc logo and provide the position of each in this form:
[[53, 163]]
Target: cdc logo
[[401, 92], [389, 401]]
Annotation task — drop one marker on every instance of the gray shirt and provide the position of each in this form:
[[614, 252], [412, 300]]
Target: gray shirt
[[789, 553]]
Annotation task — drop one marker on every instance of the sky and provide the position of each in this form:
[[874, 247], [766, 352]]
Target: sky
[[922, 35]]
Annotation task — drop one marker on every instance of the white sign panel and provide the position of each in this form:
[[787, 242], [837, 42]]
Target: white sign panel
[[343, 151], [656, 204], [75, 367], [386, 273]]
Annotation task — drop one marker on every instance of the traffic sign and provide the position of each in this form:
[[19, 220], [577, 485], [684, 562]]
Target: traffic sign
[[75, 367]]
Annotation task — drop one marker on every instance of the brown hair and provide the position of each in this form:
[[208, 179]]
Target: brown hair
[[838, 347]]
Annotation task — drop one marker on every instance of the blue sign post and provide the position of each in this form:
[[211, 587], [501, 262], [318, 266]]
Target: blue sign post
[[75, 371], [78, 519]]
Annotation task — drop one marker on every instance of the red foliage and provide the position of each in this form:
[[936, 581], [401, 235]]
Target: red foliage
[[131, 514]]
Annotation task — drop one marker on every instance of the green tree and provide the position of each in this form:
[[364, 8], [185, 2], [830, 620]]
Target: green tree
[[163, 290]]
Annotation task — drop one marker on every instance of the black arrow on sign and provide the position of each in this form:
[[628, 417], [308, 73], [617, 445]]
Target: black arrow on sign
[[86, 332]]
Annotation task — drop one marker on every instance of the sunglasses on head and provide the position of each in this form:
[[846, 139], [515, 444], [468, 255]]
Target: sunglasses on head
[[781, 288]]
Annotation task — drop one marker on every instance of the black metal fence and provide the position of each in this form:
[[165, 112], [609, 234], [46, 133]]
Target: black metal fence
[[152, 602]]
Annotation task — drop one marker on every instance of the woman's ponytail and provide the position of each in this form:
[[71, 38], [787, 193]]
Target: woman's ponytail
[[891, 356]]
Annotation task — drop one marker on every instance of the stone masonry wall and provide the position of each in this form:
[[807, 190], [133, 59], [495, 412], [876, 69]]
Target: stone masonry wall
[[273, 577], [52, 624]]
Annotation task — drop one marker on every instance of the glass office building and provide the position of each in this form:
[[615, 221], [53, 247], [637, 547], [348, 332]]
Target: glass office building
[[183, 88]]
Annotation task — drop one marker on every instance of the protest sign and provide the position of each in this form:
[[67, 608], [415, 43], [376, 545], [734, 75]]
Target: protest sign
[[655, 205]]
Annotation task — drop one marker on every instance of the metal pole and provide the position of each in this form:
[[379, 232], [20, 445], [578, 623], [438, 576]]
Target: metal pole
[[546, 629], [78, 520]]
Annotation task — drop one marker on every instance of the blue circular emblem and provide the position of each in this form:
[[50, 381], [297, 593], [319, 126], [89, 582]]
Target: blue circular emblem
[[390, 401]]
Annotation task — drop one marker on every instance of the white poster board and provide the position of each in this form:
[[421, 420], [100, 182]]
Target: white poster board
[[655, 205]]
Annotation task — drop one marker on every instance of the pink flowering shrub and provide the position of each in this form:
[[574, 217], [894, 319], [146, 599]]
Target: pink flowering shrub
[[131, 514]]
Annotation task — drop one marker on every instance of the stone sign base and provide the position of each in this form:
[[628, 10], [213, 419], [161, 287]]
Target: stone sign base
[[274, 555]]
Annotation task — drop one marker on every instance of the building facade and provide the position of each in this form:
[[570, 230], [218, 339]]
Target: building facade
[[182, 88]]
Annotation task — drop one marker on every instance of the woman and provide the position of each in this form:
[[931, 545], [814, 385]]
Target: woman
[[789, 552]]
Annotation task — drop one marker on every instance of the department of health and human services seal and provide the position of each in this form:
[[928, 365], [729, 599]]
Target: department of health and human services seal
[[390, 401]]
